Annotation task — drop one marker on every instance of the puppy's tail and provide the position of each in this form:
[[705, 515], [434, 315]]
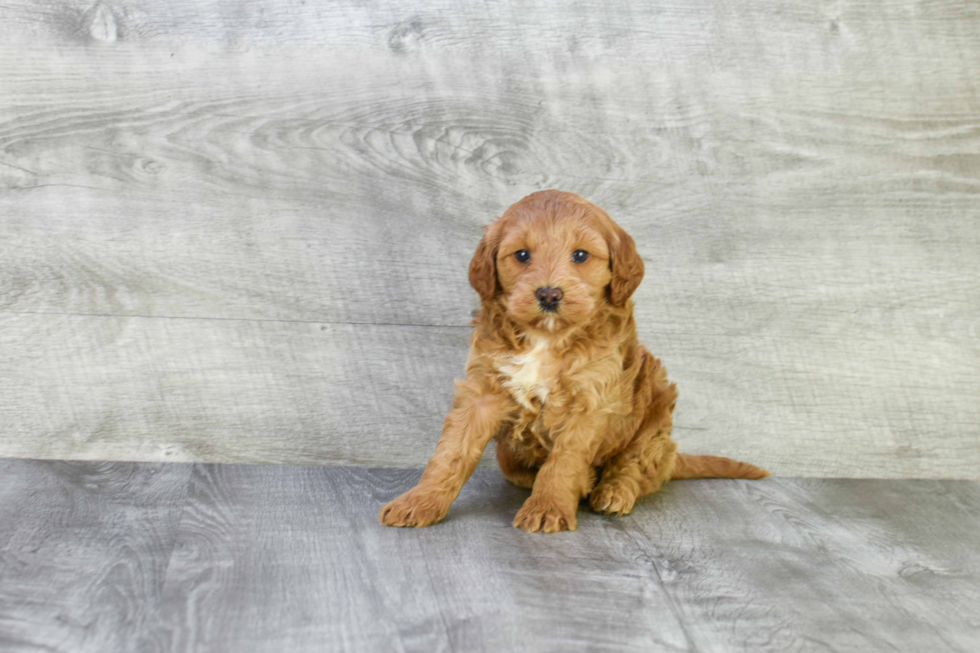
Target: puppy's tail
[[714, 467]]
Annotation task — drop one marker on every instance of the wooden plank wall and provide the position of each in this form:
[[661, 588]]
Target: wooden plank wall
[[239, 231]]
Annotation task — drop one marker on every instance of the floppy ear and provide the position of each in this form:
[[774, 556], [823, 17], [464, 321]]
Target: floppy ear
[[483, 267], [626, 266]]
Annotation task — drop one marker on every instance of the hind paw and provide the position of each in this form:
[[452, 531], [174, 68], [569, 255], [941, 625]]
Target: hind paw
[[612, 498]]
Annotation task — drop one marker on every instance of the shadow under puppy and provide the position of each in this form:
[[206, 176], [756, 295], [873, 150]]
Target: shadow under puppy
[[555, 373]]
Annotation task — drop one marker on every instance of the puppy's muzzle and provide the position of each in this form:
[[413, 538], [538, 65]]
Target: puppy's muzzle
[[549, 298]]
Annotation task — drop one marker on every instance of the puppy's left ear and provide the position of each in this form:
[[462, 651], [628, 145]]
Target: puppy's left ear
[[626, 266], [483, 267]]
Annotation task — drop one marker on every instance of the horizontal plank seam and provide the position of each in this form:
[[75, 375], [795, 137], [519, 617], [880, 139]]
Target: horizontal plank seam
[[35, 187], [236, 319], [771, 336]]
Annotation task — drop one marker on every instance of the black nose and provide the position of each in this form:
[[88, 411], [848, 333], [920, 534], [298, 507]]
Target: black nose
[[548, 298]]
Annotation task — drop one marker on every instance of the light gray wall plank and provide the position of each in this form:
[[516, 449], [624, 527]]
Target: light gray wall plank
[[802, 181], [185, 390], [312, 393]]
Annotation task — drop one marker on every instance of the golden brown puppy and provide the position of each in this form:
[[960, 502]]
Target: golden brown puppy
[[556, 374]]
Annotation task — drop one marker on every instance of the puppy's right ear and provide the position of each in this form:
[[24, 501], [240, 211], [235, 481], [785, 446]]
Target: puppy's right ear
[[483, 267]]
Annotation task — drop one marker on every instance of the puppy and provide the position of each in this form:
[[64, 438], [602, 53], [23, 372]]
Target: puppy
[[555, 373]]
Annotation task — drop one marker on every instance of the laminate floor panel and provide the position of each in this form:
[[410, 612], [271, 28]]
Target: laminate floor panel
[[247, 558]]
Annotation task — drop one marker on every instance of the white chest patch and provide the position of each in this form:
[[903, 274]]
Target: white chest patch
[[529, 375]]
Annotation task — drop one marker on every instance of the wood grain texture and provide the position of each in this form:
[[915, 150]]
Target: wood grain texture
[[84, 549], [248, 558], [325, 575], [248, 391], [802, 181], [317, 393], [839, 565]]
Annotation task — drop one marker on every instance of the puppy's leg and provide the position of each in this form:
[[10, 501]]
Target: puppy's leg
[[472, 422], [523, 476], [514, 471], [639, 469], [565, 477]]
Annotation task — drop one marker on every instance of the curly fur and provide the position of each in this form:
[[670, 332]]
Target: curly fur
[[579, 408]]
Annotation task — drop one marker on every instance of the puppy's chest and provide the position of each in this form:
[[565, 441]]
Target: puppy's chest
[[531, 376]]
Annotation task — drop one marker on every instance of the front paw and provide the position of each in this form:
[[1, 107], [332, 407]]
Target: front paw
[[417, 507], [544, 513]]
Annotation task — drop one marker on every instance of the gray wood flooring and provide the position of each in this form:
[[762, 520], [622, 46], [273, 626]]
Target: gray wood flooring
[[240, 231], [149, 557]]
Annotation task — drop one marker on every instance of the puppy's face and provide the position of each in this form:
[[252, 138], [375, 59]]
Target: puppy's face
[[552, 259], [552, 273]]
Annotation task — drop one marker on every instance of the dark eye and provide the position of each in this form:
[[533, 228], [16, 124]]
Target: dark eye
[[523, 255], [580, 256]]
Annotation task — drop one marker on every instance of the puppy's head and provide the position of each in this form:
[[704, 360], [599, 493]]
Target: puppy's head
[[552, 259]]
